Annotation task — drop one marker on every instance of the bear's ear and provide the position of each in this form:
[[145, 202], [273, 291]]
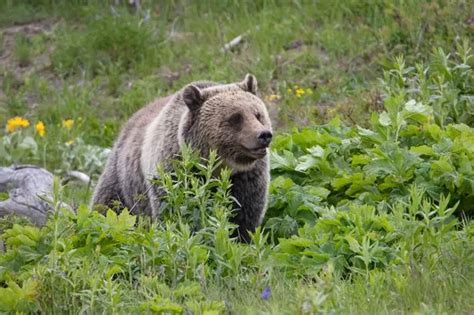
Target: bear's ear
[[193, 97], [249, 84]]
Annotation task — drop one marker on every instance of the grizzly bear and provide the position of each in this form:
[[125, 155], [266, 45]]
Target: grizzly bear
[[227, 118]]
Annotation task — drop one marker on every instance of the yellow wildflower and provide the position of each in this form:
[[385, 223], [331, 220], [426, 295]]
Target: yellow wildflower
[[68, 123], [70, 142], [273, 97], [40, 129], [299, 92], [17, 122]]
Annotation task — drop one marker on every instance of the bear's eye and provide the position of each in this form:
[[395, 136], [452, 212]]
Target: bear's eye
[[258, 116], [236, 119]]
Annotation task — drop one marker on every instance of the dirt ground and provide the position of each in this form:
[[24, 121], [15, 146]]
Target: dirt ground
[[10, 67]]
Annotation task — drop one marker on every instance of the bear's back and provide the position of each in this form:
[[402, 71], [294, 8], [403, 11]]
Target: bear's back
[[127, 152]]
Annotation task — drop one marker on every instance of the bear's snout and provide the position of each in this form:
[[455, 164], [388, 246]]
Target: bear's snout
[[264, 138]]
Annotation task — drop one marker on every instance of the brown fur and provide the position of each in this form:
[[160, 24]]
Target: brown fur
[[228, 118]]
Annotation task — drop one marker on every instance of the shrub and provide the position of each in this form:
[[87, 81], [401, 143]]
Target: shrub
[[411, 142], [88, 261]]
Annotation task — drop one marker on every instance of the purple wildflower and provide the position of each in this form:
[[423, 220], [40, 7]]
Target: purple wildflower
[[266, 293]]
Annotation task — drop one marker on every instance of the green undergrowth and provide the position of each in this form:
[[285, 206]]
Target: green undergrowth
[[86, 261], [423, 137], [371, 196], [364, 220]]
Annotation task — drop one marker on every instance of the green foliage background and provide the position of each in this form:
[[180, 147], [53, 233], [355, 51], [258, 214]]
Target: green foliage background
[[372, 167]]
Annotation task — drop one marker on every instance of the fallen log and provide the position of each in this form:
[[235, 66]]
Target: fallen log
[[25, 191]]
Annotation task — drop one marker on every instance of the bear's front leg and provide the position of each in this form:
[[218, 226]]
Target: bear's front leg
[[250, 189]]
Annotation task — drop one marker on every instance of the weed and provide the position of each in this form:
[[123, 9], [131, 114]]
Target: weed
[[23, 53]]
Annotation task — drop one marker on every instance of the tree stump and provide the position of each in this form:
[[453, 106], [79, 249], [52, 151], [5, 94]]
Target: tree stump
[[27, 189]]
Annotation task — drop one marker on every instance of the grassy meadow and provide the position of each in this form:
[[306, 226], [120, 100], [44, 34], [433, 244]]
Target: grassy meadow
[[372, 190]]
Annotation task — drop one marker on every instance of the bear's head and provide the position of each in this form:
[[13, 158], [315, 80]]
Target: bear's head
[[228, 118]]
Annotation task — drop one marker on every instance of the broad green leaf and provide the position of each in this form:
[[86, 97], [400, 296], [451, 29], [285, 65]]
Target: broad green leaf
[[28, 143], [434, 131], [422, 150], [306, 162], [365, 132], [443, 165], [317, 191], [384, 119], [360, 159], [16, 299], [126, 220], [316, 151], [286, 162], [410, 130], [282, 183], [353, 244], [416, 107], [324, 139], [306, 138], [340, 182]]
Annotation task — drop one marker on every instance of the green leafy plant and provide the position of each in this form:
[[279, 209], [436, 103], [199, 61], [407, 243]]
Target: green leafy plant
[[20, 143], [201, 193], [361, 238], [169, 262], [408, 143], [78, 155], [445, 84]]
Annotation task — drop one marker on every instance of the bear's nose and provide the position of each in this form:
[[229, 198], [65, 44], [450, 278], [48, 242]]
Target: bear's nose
[[264, 138]]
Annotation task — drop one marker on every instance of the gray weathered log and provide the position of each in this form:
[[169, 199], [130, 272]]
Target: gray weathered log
[[76, 176], [28, 188]]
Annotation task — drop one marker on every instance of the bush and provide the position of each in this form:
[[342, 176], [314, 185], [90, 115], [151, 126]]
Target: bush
[[446, 84], [410, 143], [87, 261]]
